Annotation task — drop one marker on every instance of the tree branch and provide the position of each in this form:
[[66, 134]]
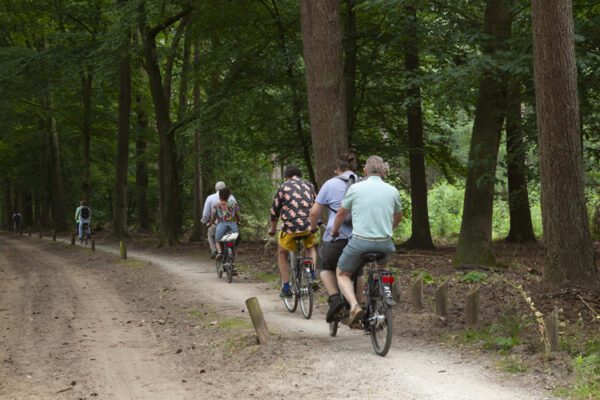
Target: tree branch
[[168, 22]]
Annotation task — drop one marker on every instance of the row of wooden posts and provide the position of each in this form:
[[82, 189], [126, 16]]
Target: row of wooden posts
[[551, 321]]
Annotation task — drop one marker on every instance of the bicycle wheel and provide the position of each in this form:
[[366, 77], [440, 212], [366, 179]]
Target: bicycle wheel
[[219, 266], [229, 266], [333, 327], [381, 325], [306, 292], [291, 303]]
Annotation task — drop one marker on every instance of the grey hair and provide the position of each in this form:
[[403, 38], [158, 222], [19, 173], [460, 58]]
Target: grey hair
[[375, 166]]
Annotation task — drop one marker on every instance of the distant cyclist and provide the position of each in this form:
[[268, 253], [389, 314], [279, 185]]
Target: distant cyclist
[[16, 219], [330, 199], [225, 216], [376, 210], [292, 203], [209, 203], [83, 216]]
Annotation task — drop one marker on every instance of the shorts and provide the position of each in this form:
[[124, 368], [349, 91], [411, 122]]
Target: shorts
[[288, 240], [329, 254], [350, 259], [224, 228]]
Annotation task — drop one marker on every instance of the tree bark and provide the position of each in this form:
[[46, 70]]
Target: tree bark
[[58, 194], [569, 253], [475, 240], [198, 230], [169, 196], [120, 229], [350, 62], [7, 216], [421, 232], [323, 57], [86, 90], [521, 227], [141, 165], [27, 210]]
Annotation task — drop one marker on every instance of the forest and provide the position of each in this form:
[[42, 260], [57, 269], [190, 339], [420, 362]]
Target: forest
[[488, 113]]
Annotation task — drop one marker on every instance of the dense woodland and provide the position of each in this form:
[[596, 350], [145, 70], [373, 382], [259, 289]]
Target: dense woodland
[[488, 113]]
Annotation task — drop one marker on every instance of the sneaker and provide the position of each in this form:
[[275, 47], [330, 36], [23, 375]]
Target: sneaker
[[213, 254], [219, 256], [285, 293], [356, 314], [336, 303]]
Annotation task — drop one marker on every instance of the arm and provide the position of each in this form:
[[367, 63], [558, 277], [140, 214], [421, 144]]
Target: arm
[[339, 220], [77, 214], [206, 212], [397, 219], [315, 213], [276, 210]]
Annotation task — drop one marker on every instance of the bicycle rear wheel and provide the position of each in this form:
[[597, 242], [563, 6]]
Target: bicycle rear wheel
[[229, 266], [219, 266], [306, 292], [291, 303], [381, 325], [333, 328]]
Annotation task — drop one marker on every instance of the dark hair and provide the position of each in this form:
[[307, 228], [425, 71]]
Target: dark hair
[[291, 171], [347, 161], [224, 194]]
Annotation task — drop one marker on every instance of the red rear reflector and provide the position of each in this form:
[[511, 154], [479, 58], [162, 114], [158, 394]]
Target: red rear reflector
[[307, 262], [229, 244], [388, 279]]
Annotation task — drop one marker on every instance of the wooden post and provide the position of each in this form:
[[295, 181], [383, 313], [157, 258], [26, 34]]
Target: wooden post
[[123, 250], [551, 325], [40, 235], [473, 306], [417, 292], [258, 320], [93, 245], [441, 300], [72, 239]]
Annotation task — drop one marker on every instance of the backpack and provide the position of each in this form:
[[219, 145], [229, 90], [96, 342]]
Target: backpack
[[84, 213], [351, 180]]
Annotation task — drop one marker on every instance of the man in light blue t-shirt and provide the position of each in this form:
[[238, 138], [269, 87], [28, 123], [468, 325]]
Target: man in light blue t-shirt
[[376, 210]]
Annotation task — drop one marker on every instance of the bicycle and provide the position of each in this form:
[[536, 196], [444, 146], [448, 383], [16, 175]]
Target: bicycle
[[377, 317], [226, 263], [87, 235], [301, 280]]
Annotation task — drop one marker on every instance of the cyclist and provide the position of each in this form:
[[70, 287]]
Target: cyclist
[[330, 197], [225, 215], [83, 215], [292, 203], [16, 219], [376, 210], [209, 203]]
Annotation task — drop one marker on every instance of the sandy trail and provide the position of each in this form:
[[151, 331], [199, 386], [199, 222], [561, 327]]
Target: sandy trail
[[49, 302]]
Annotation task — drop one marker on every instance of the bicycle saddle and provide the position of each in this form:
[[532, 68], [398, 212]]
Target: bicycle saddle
[[230, 237], [372, 256]]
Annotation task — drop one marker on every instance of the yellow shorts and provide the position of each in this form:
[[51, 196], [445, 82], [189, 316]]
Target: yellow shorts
[[288, 240]]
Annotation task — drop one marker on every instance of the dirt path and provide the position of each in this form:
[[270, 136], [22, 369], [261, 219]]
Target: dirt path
[[108, 356]]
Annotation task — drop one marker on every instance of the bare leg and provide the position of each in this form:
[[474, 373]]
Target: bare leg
[[344, 280], [330, 282], [283, 263], [360, 294]]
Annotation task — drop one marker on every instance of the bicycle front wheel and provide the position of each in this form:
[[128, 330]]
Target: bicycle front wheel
[[306, 292], [219, 267], [333, 328], [381, 326], [291, 303], [229, 267]]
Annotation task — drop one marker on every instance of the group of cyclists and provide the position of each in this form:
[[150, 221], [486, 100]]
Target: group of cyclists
[[362, 216]]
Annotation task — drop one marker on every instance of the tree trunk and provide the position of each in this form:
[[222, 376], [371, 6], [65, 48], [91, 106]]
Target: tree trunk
[[86, 89], [521, 227], [198, 230], [27, 209], [421, 232], [7, 216], [350, 61], [120, 199], [169, 196], [475, 240], [569, 255], [303, 139], [58, 194], [322, 46]]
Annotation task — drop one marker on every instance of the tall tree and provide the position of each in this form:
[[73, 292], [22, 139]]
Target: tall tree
[[521, 227], [198, 230], [569, 253], [323, 57], [350, 63], [124, 118], [475, 240], [421, 232]]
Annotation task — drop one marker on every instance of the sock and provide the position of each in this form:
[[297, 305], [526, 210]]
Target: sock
[[286, 286]]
